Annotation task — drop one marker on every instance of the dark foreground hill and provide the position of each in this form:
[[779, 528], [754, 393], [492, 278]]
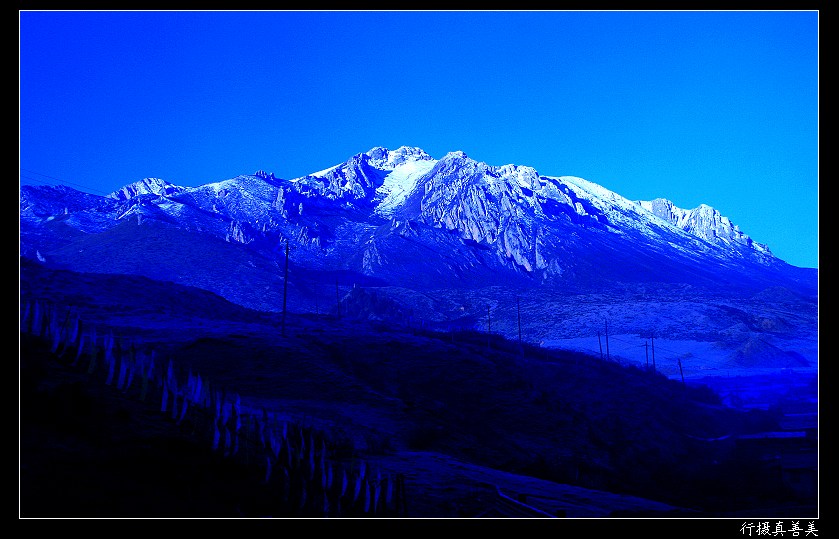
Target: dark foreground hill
[[317, 416]]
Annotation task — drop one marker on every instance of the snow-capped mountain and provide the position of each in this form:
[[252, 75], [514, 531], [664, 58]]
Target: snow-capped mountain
[[154, 186], [438, 237], [526, 219], [704, 222]]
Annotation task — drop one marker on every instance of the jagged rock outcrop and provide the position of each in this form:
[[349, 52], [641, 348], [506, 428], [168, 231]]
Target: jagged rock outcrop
[[154, 186], [703, 222], [406, 218]]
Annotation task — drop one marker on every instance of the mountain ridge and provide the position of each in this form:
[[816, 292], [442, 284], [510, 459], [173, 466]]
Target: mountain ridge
[[362, 177], [531, 223], [473, 327], [438, 238], [382, 159]]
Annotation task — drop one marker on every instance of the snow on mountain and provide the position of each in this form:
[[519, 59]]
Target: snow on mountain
[[406, 166], [704, 222], [503, 206], [440, 238], [245, 197], [321, 173], [619, 211], [516, 210], [43, 201], [527, 220], [390, 159], [353, 180], [154, 186], [545, 226], [511, 208]]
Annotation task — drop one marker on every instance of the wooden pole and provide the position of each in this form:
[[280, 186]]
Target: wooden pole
[[599, 342], [652, 340], [680, 371], [609, 357], [647, 353]]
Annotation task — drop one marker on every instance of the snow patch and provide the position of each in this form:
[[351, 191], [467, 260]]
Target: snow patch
[[321, 173], [400, 183]]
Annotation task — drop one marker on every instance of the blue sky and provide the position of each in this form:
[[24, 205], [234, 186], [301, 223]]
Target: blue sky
[[713, 107]]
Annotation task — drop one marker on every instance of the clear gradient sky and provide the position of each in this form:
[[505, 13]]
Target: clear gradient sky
[[713, 107]]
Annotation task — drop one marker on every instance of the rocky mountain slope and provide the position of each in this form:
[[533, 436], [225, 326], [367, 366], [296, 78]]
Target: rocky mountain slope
[[441, 241]]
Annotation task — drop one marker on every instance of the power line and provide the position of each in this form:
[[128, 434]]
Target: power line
[[63, 182], [35, 180], [659, 347], [52, 184], [675, 355], [621, 340]]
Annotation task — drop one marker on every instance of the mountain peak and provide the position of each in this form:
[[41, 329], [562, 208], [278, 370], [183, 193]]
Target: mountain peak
[[401, 219], [381, 157], [268, 176], [145, 186], [703, 221], [457, 154]]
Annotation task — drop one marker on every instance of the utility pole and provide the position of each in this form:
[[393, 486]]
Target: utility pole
[[652, 340], [647, 353], [680, 371], [599, 342], [607, 341], [285, 285]]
